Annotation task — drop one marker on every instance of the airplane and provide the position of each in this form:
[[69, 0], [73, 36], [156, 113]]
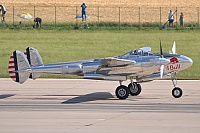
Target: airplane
[[139, 65]]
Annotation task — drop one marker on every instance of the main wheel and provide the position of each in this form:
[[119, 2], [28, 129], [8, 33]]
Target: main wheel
[[177, 92], [122, 92], [135, 89]]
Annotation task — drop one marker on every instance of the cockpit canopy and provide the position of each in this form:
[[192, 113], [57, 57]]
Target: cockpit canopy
[[145, 51]]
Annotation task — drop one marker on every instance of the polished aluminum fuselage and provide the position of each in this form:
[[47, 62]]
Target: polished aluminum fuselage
[[143, 67], [140, 64]]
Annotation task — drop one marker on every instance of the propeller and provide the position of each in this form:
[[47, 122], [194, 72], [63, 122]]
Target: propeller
[[162, 66], [161, 71], [161, 52], [174, 48]]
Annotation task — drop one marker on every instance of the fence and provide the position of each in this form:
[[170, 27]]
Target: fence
[[131, 17]]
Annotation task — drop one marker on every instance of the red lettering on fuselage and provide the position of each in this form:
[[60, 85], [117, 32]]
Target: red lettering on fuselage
[[174, 64]]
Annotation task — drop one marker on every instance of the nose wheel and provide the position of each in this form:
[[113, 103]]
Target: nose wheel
[[176, 92]]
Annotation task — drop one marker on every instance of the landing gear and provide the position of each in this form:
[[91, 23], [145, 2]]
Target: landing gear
[[122, 92], [135, 89], [176, 92]]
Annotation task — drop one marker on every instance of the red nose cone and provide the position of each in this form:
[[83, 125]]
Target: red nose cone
[[174, 60]]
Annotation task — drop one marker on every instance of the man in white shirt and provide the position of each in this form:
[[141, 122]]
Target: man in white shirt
[[171, 18]]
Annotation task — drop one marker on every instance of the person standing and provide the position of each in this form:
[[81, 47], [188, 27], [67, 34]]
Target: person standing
[[171, 18], [84, 6], [3, 10], [181, 20]]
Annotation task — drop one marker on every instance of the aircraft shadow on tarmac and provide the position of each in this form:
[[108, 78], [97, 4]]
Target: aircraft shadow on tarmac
[[89, 97], [3, 96]]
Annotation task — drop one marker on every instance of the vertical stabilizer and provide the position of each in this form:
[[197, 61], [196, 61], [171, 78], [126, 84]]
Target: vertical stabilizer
[[17, 68], [34, 59]]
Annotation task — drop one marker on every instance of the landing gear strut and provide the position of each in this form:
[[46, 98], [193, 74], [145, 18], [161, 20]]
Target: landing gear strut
[[176, 92]]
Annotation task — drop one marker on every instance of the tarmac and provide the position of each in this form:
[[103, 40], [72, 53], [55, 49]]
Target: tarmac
[[90, 106]]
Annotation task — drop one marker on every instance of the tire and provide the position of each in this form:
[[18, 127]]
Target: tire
[[177, 92], [135, 90], [122, 92]]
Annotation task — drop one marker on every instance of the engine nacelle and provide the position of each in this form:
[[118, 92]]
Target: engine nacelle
[[71, 69], [90, 67]]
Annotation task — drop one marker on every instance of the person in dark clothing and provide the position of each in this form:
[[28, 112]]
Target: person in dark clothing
[[38, 22], [84, 6]]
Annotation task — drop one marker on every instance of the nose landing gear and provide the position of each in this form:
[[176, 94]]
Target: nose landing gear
[[176, 92]]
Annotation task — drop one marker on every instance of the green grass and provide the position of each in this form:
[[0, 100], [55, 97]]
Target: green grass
[[68, 45], [97, 25]]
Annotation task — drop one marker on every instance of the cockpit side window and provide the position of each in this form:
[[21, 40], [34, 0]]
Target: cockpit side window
[[146, 54]]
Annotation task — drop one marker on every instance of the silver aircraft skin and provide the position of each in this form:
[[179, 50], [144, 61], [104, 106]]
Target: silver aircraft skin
[[139, 66]]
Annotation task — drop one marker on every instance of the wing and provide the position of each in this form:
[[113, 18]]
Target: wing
[[114, 62], [116, 66]]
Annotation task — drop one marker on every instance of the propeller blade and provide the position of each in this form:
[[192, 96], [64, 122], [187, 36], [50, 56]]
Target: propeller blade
[[174, 48], [161, 52], [161, 71]]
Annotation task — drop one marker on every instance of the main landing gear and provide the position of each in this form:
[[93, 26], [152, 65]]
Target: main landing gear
[[122, 92], [176, 92]]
